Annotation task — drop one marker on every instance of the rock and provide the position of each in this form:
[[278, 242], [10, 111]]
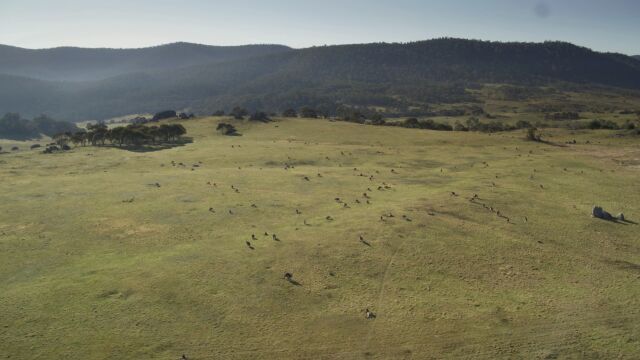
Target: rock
[[599, 213]]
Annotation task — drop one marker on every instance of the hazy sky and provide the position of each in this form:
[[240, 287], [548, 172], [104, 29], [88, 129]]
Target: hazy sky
[[605, 25]]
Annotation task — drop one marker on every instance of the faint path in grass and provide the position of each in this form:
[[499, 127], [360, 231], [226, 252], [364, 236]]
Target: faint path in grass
[[380, 298]]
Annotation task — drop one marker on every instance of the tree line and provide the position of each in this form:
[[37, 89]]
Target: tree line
[[131, 135]]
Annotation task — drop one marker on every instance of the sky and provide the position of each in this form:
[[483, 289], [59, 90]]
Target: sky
[[603, 25]]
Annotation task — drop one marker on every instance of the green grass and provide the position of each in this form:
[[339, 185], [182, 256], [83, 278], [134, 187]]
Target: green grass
[[86, 275]]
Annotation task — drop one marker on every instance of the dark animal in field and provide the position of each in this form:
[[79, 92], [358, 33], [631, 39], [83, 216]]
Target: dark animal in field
[[369, 314], [306, 178], [275, 237], [249, 244], [266, 233], [253, 237], [288, 276], [230, 212], [157, 184], [298, 212], [329, 218], [211, 210], [254, 206], [319, 175], [357, 201], [183, 357]]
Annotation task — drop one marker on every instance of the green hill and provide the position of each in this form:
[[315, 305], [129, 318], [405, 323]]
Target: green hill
[[398, 76]]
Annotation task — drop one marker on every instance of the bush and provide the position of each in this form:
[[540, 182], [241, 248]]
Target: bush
[[602, 124], [260, 116], [227, 129]]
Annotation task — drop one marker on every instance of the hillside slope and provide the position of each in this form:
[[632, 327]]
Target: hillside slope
[[82, 64], [397, 75]]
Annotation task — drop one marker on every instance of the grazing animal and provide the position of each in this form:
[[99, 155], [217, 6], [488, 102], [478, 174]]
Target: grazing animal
[[369, 314], [230, 212], [275, 237], [248, 243], [329, 218], [157, 184], [183, 357], [212, 210], [357, 201], [288, 276], [253, 237], [368, 202], [254, 205], [298, 212]]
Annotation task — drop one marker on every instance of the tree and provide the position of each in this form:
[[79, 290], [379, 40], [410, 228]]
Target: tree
[[62, 138], [219, 113], [239, 113], [309, 113], [532, 134], [290, 113], [97, 133]]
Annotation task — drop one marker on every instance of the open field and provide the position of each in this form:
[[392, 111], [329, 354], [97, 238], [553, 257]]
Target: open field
[[97, 261]]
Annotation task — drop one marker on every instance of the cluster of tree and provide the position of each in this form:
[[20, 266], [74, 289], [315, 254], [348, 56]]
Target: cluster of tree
[[13, 126], [131, 135], [565, 115]]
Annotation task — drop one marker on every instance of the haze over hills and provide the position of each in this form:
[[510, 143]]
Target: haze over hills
[[273, 78], [82, 64]]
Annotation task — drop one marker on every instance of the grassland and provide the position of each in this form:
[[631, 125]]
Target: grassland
[[98, 262]]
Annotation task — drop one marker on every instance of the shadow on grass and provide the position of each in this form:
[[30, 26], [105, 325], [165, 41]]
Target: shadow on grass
[[294, 282], [618, 221], [151, 147]]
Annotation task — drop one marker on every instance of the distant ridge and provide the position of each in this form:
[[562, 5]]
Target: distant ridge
[[86, 64], [397, 75]]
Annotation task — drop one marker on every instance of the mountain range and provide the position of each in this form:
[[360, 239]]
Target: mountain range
[[79, 84]]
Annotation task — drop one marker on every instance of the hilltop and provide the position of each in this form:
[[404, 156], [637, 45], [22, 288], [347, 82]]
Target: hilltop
[[87, 64]]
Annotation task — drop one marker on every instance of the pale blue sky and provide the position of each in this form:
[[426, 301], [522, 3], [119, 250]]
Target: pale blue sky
[[605, 25]]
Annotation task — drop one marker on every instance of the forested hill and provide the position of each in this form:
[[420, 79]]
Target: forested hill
[[385, 75], [82, 64]]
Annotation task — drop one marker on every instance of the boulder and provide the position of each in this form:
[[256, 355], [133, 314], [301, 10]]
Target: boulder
[[598, 212]]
